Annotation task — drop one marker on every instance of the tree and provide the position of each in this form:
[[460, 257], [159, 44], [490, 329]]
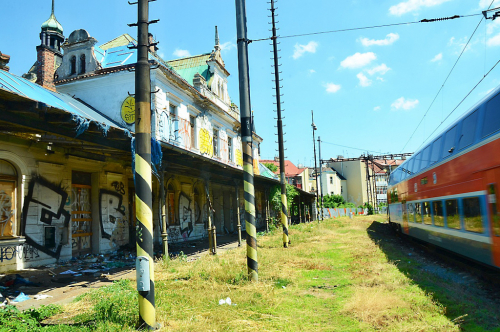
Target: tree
[[333, 201], [291, 192], [272, 167]]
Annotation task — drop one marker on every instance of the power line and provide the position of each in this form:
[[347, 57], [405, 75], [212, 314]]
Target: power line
[[442, 86], [369, 27], [460, 103], [349, 147]]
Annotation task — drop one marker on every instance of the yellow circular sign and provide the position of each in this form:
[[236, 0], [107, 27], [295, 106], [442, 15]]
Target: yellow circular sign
[[128, 110]]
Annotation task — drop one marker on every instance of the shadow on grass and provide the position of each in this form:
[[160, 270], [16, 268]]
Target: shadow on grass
[[466, 302]]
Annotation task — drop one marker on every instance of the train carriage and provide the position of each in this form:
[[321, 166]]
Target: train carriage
[[446, 193]]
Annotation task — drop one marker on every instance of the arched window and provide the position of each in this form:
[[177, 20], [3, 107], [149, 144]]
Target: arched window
[[82, 64], [72, 65], [8, 201]]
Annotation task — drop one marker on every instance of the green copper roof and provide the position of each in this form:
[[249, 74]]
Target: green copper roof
[[188, 67], [52, 24]]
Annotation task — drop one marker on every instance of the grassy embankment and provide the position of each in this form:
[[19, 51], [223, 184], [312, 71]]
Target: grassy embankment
[[340, 275]]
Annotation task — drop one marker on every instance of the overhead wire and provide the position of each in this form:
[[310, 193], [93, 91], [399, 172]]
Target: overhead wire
[[368, 27], [460, 103], [349, 147], [447, 77]]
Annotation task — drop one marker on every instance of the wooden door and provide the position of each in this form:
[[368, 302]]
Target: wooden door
[[81, 219]]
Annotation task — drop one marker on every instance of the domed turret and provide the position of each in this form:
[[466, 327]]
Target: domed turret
[[52, 32]]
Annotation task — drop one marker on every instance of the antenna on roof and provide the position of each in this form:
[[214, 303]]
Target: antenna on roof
[[217, 42]]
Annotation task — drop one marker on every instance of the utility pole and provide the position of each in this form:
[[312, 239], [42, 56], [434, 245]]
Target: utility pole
[[315, 166], [246, 139], [143, 196], [320, 179], [284, 210]]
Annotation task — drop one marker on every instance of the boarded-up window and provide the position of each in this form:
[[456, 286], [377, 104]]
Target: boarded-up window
[[8, 181]]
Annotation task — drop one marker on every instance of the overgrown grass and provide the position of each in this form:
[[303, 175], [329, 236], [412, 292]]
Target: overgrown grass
[[335, 276]]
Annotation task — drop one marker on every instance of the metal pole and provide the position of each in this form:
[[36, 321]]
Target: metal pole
[[315, 166], [164, 234], [143, 199], [237, 189], [320, 179], [284, 206], [246, 139]]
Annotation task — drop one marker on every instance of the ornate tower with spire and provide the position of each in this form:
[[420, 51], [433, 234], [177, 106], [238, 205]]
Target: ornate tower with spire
[[49, 56]]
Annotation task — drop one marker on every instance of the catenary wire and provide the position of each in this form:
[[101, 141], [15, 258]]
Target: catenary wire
[[467, 95], [349, 147], [368, 27], [447, 77]]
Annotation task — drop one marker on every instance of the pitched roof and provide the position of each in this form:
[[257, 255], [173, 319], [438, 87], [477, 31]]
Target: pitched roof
[[290, 169], [188, 67], [122, 40]]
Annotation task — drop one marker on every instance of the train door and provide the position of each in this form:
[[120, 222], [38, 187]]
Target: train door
[[492, 178], [406, 228]]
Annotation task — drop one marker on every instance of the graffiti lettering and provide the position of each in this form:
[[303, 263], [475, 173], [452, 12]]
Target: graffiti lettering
[[111, 212], [47, 194], [119, 187], [24, 252], [185, 133], [185, 215], [206, 146]]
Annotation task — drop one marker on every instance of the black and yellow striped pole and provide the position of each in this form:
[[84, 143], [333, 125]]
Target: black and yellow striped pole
[[143, 196], [281, 149], [246, 138]]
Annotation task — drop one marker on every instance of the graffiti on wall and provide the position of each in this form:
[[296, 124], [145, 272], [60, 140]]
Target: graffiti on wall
[[185, 133], [24, 252], [206, 145], [163, 132], [223, 146], [112, 216], [6, 213], [44, 206], [185, 215], [82, 215], [239, 158], [119, 187]]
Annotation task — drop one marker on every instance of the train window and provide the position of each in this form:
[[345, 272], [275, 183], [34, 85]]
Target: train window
[[449, 142], [436, 148], [472, 215], [491, 116], [427, 213], [411, 213], [468, 130], [418, 213], [425, 157], [415, 167], [452, 215], [437, 208]]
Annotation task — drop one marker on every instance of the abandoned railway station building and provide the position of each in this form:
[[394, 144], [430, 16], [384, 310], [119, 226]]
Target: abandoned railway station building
[[67, 147]]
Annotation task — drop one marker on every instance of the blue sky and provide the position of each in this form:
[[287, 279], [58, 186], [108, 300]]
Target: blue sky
[[368, 88]]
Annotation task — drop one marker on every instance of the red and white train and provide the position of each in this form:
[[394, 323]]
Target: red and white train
[[446, 193]]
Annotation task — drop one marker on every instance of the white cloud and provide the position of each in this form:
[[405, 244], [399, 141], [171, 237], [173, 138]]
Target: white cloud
[[413, 5], [494, 41], [438, 57], [228, 46], [483, 4], [332, 88], [492, 26], [390, 39], [363, 80], [406, 104], [380, 79], [312, 71], [358, 60], [382, 70], [459, 44], [377, 108], [181, 53], [300, 50]]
